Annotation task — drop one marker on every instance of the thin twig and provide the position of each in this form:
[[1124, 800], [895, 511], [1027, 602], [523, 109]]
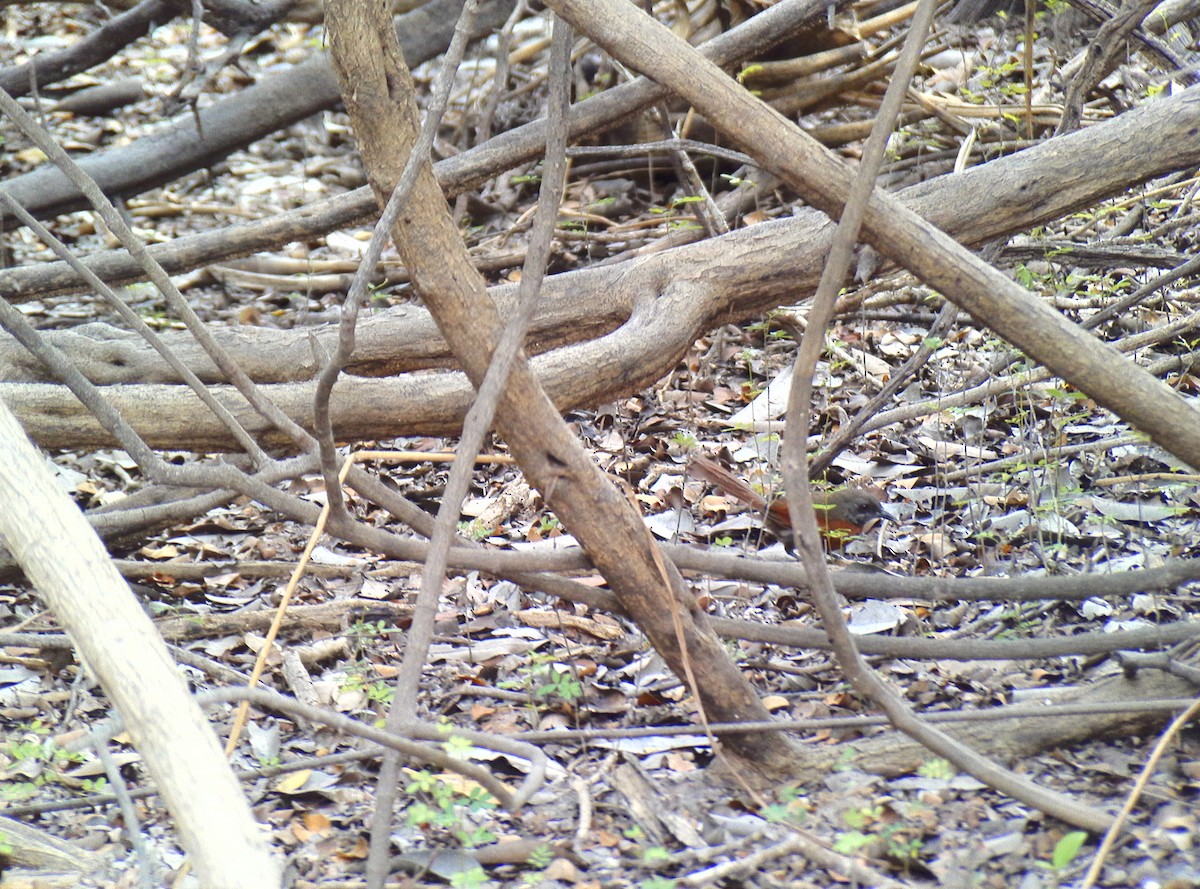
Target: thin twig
[[105, 209], [796, 478], [1160, 748]]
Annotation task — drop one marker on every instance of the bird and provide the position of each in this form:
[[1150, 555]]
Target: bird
[[840, 513]]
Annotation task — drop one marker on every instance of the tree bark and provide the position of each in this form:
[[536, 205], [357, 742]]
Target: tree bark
[[1095, 368], [195, 142], [378, 93], [67, 563], [723, 279]]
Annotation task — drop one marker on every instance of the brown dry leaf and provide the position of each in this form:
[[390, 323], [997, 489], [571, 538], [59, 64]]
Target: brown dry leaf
[[552, 721], [680, 762], [164, 553], [316, 821], [608, 839], [479, 712], [608, 701], [357, 852], [293, 782], [775, 702], [504, 721], [222, 580], [940, 544], [560, 870], [312, 825]]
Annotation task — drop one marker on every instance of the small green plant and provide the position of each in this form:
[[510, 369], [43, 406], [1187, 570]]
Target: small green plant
[[468, 879], [863, 816], [904, 850], [850, 842], [362, 635], [655, 855], [986, 535], [1068, 395], [378, 690], [1012, 91], [361, 632], [455, 745], [560, 684], [1025, 277], [474, 530], [793, 807], [1064, 853], [541, 857], [993, 75], [18, 791], [685, 441], [37, 759], [936, 768], [445, 806], [543, 679], [366, 629], [546, 679], [896, 834]]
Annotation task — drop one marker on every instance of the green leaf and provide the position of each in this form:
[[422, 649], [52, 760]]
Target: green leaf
[[1067, 848], [850, 842]]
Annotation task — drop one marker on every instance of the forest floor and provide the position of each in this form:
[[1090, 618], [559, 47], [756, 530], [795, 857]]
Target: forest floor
[[987, 474]]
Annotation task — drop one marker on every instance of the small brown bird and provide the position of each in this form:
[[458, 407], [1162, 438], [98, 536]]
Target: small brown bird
[[840, 513]]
